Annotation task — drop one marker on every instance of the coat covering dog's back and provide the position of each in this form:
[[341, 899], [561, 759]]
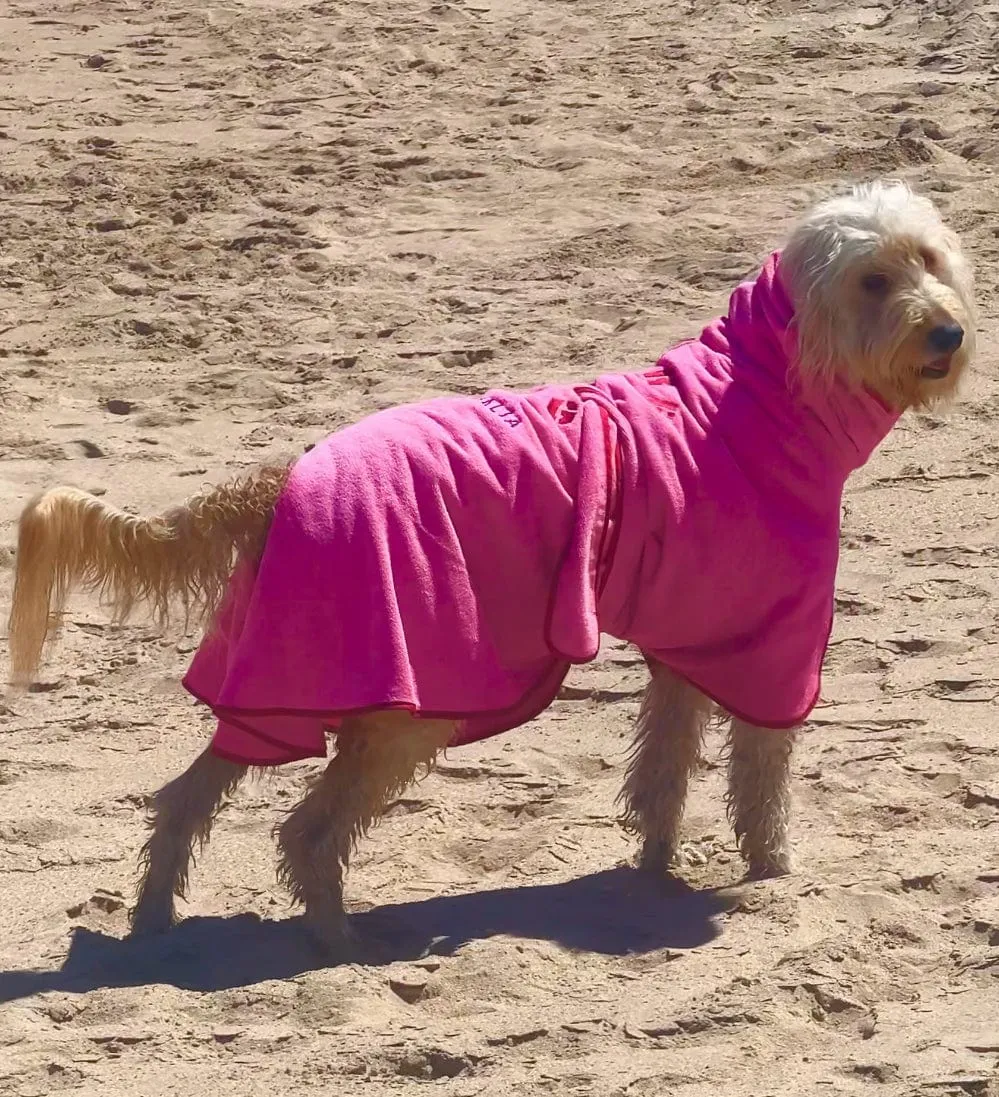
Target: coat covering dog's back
[[453, 558]]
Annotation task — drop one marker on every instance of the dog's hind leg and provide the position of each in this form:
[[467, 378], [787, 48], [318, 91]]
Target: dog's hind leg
[[377, 756], [181, 815], [759, 795], [664, 754]]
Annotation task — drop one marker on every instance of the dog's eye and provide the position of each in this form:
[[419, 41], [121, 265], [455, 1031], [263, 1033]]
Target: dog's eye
[[877, 285]]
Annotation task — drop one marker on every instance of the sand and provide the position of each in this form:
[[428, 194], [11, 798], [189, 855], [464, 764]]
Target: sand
[[229, 228]]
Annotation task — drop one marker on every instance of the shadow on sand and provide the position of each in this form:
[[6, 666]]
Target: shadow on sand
[[615, 912]]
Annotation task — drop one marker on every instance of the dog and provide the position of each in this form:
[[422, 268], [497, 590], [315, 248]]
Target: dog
[[426, 577]]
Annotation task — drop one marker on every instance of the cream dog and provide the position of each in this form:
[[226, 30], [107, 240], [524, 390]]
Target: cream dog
[[426, 577]]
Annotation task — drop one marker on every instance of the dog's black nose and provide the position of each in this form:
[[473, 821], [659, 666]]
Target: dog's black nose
[[946, 338]]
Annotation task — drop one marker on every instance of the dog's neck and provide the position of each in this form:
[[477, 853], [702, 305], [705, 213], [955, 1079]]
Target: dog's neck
[[759, 335]]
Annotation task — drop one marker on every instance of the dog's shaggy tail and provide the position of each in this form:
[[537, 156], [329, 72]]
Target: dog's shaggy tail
[[184, 557]]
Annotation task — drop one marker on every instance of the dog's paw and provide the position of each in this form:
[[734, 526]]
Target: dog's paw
[[656, 859], [770, 869], [334, 939], [149, 919], [662, 859]]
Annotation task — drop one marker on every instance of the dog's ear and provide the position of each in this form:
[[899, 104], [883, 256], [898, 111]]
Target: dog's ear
[[816, 327], [809, 272]]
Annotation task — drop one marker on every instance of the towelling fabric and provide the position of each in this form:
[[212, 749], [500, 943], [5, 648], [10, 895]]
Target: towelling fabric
[[453, 558]]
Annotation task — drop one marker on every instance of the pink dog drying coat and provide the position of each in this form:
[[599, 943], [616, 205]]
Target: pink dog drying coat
[[453, 558]]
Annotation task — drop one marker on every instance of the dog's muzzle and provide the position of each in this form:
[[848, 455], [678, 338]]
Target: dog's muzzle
[[945, 339]]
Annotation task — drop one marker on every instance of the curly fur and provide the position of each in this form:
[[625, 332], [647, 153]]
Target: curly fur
[[758, 798], [377, 757], [664, 755], [181, 815]]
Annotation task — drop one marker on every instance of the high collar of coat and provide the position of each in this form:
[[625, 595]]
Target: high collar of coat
[[759, 334]]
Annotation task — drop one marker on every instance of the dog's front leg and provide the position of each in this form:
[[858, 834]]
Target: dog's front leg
[[665, 753], [759, 795], [377, 756], [181, 815]]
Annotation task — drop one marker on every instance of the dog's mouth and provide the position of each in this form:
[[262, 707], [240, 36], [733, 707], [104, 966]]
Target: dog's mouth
[[936, 371]]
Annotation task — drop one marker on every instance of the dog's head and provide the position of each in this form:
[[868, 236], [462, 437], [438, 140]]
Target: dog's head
[[882, 294]]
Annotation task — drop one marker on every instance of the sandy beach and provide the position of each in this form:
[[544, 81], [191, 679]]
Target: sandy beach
[[227, 229]]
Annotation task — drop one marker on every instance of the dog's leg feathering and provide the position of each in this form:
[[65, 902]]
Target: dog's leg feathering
[[759, 795], [377, 757], [664, 754], [67, 538], [181, 816]]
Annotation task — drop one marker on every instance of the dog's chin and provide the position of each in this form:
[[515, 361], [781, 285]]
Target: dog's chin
[[936, 381], [921, 384], [938, 369]]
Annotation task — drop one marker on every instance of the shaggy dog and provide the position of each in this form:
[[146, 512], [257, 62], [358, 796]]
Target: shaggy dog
[[426, 577]]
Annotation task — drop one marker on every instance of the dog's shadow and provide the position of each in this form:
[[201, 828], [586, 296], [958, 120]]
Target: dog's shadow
[[615, 912]]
